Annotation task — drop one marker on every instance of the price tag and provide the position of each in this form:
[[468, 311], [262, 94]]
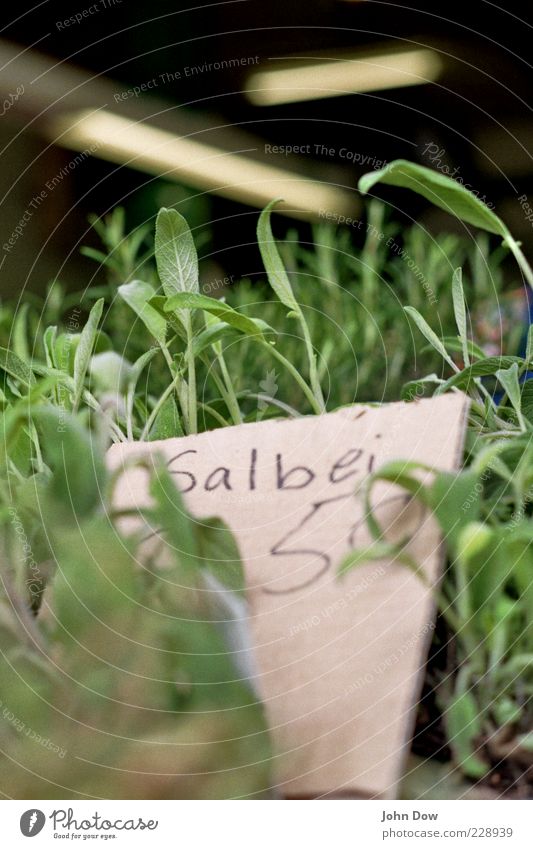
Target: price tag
[[340, 661]]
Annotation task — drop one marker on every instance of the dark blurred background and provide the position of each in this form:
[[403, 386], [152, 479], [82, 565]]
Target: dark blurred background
[[467, 111]]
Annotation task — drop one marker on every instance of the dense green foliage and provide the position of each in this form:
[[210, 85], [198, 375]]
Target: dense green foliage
[[111, 664]]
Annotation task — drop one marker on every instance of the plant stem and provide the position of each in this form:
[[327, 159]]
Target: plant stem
[[91, 402], [191, 403], [520, 258], [296, 375], [130, 398], [275, 403], [181, 388], [220, 385], [37, 445], [212, 412], [233, 404], [151, 418], [313, 371]]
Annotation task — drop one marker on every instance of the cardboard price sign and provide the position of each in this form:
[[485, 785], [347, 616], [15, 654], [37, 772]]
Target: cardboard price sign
[[340, 661]]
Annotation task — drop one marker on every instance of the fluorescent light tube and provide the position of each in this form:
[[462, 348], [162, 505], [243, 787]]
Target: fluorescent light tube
[[306, 80], [205, 166]]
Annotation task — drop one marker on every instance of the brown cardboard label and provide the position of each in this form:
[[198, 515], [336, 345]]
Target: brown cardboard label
[[339, 661]]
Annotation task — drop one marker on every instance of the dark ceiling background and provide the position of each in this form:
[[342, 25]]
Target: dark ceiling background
[[479, 114]]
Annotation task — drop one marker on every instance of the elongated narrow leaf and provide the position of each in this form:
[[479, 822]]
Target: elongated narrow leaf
[[54, 376], [96, 587], [463, 724], [526, 402], [76, 462], [529, 344], [133, 378], [185, 301], [20, 333], [430, 335], [22, 451], [212, 334], [459, 309], [440, 190], [483, 368], [49, 341], [15, 367], [102, 258], [85, 349], [277, 276], [454, 344], [487, 562], [167, 423], [65, 347], [175, 253], [404, 473], [509, 380], [177, 524], [137, 295], [220, 553], [376, 550], [448, 495], [175, 320], [15, 416], [139, 366]]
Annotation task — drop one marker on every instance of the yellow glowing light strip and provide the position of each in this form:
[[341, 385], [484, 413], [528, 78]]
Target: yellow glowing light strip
[[332, 78], [231, 174]]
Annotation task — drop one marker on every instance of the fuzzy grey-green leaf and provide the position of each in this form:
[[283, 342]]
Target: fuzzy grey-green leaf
[[85, 349], [184, 301], [509, 380], [430, 335], [175, 253], [15, 367], [137, 294], [459, 309], [277, 276], [440, 190]]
